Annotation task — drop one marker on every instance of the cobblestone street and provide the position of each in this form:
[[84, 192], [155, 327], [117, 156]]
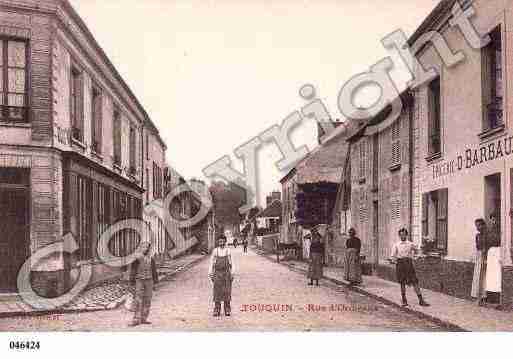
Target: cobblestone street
[[266, 297]]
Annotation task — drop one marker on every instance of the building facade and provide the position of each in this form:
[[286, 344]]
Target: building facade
[[72, 146], [378, 185], [463, 147]]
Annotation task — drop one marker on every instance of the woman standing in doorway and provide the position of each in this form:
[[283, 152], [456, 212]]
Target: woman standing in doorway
[[478, 282], [353, 268], [315, 270], [221, 274]]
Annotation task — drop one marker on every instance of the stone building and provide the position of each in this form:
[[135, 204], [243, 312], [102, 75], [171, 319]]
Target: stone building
[[72, 145], [375, 193], [463, 146], [455, 158]]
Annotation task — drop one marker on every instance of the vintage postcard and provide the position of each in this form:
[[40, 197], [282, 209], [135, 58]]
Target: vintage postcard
[[255, 166]]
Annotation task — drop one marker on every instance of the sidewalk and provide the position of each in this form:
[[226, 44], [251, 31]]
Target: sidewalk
[[107, 296], [452, 312]]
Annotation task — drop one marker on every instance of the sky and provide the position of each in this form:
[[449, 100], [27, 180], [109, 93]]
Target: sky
[[212, 75]]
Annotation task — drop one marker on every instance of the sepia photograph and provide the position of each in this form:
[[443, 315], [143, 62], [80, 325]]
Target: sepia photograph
[[202, 167]]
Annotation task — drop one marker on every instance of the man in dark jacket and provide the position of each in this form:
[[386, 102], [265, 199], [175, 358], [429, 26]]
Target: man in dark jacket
[[143, 274]]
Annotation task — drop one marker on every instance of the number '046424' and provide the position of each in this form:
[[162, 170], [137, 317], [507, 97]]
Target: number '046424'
[[26, 345]]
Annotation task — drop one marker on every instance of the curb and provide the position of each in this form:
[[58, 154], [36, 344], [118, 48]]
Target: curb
[[111, 306], [440, 322]]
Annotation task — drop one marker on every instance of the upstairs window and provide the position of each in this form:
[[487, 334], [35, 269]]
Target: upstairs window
[[147, 147], [133, 152], [13, 81], [434, 118], [396, 144], [96, 125], [76, 104], [375, 161], [117, 137], [492, 82], [362, 159], [157, 181]]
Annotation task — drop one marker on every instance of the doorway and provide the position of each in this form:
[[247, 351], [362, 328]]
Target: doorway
[[492, 211], [14, 226]]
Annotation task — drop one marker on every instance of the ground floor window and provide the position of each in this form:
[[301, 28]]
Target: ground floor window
[[434, 220], [93, 207], [345, 221]]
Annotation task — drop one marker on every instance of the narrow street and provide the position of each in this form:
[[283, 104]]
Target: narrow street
[[266, 297]]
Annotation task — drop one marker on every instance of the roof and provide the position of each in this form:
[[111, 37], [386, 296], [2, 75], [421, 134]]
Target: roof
[[442, 9], [324, 164], [380, 118], [273, 210]]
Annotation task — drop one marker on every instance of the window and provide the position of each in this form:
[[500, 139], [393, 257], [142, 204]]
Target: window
[[96, 125], [375, 161], [396, 144], [117, 137], [76, 104], [492, 82], [147, 185], [157, 181], [13, 81], [84, 196], [395, 208], [147, 146], [104, 204], [345, 220], [434, 219], [362, 159], [434, 119], [133, 152]]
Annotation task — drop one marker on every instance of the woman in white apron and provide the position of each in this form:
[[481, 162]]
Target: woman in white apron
[[493, 269]]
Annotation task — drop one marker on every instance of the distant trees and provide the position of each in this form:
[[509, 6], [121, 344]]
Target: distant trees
[[227, 198]]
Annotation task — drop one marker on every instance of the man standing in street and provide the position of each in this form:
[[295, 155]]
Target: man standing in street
[[403, 253], [143, 274]]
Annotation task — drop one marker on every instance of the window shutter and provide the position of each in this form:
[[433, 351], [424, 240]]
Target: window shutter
[[425, 208], [80, 104], [486, 76], [396, 142], [98, 122], [442, 219]]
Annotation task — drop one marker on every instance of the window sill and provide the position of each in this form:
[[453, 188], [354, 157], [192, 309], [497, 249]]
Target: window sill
[[491, 132], [394, 167], [15, 124], [434, 156]]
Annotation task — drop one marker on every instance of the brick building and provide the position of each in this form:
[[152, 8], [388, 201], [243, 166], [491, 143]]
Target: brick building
[[77, 149]]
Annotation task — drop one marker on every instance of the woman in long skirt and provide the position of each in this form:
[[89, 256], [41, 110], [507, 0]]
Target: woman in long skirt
[[353, 268], [221, 274], [478, 282], [315, 270]]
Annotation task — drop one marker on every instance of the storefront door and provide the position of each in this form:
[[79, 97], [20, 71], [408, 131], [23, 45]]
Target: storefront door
[[14, 234]]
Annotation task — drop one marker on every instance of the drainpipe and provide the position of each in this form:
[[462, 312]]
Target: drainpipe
[[411, 157]]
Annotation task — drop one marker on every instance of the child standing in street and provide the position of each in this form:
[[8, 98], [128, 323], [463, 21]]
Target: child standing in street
[[403, 253]]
